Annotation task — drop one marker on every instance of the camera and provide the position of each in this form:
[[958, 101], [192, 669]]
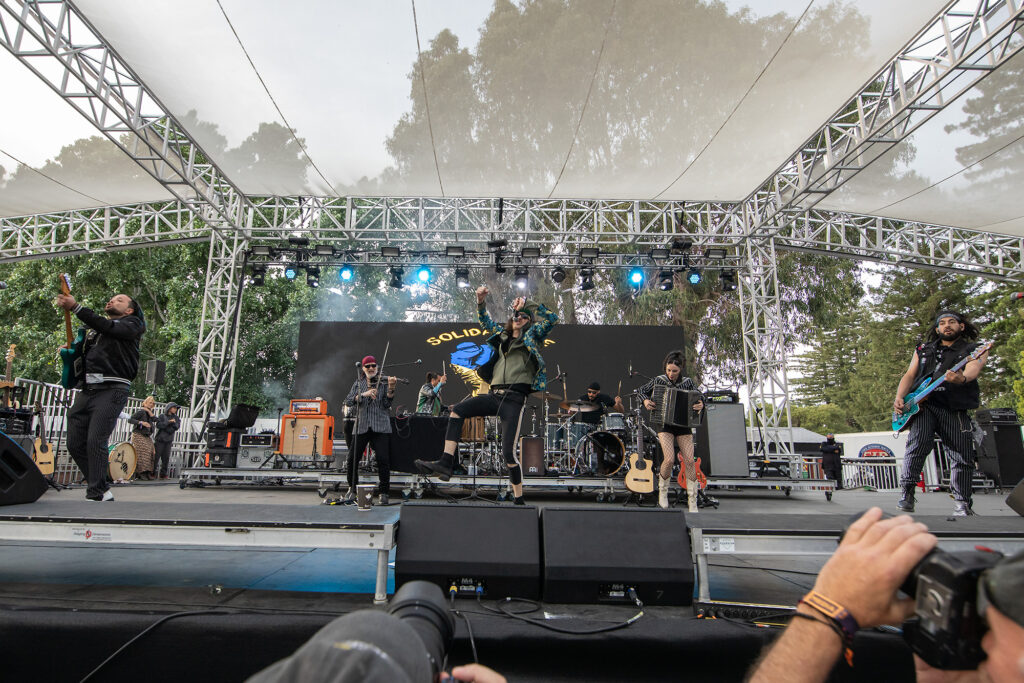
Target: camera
[[422, 606], [947, 625]]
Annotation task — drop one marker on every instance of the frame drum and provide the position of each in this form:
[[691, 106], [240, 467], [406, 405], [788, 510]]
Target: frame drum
[[122, 461]]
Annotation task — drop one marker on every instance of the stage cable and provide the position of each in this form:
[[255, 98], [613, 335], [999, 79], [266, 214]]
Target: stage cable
[[144, 632], [504, 609]]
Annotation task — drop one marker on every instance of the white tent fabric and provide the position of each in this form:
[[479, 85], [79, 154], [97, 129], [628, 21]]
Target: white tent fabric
[[603, 99]]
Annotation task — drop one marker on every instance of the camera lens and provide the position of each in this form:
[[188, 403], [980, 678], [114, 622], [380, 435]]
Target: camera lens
[[422, 606]]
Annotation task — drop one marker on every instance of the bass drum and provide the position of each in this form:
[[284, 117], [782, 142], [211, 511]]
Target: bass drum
[[122, 460], [603, 453]]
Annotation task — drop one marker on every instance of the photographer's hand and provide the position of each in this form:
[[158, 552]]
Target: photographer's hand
[[871, 563], [477, 673], [927, 674]]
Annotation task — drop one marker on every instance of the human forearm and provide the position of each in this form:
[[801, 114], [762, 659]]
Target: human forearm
[[806, 651]]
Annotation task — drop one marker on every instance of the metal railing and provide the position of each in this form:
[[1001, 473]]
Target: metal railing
[[877, 473]]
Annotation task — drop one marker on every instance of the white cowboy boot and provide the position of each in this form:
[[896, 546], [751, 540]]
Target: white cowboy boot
[[691, 495], [663, 492]]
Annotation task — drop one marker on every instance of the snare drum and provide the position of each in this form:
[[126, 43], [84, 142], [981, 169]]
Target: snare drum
[[122, 461], [613, 422], [603, 452], [474, 430]]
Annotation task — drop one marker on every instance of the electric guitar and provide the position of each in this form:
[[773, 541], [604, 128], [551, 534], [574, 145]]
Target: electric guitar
[[8, 381], [71, 354], [912, 401], [42, 450], [702, 480], [640, 478]]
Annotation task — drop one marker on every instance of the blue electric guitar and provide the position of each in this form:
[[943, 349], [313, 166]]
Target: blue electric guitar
[[912, 401], [71, 355]]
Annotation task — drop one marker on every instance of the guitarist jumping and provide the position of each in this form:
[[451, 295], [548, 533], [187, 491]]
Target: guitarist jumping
[[944, 411], [111, 361]]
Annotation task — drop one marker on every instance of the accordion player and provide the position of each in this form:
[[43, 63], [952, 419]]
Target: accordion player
[[674, 408]]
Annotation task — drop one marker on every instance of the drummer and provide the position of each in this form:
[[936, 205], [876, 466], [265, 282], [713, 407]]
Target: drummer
[[603, 403]]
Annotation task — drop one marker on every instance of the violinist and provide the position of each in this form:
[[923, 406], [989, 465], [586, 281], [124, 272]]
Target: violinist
[[372, 401]]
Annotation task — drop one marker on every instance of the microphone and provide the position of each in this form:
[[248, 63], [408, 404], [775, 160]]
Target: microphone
[[1013, 297], [359, 364], [419, 361]]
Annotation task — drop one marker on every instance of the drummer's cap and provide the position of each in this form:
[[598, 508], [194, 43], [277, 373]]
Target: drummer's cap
[[594, 386]]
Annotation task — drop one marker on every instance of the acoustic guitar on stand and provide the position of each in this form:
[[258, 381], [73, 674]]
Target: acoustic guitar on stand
[[42, 450], [8, 381], [640, 477]]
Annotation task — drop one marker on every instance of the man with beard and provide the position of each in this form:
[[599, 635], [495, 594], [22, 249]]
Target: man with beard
[[111, 362], [945, 410]]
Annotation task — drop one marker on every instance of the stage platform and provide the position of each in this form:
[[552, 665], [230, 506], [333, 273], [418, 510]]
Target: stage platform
[[205, 551]]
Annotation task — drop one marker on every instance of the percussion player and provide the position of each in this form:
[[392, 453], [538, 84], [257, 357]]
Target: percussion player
[[604, 401], [670, 436]]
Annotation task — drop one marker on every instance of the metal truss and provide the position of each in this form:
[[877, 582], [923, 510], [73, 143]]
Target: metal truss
[[97, 230], [218, 332], [945, 60], [764, 347], [58, 44]]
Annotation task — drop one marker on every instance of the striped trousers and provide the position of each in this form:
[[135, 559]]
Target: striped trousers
[[956, 432]]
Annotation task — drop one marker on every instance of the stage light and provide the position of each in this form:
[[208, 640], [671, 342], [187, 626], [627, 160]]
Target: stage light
[[497, 244], [522, 277], [636, 277], [423, 274], [728, 279], [396, 276], [258, 277], [658, 253], [586, 279], [558, 275], [455, 250], [390, 252], [324, 250], [589, 252], [346, 273], [665, 280], [462, 276], [261, 250], [530, 252], [313, 276], [290, 272], [681, 244], [297, 241], [714, 252], [693, 276]]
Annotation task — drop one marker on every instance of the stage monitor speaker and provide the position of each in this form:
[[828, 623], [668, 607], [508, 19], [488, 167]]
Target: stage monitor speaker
[[1001, 455], [20, 479], [721, 442], [594, 556], [155, 371], [1016, 499], [468, 546]]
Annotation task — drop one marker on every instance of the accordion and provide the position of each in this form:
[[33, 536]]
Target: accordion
[[673, 408]]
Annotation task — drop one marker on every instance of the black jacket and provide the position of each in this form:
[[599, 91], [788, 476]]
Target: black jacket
[[142, 415], [167, 424], [111, 347]]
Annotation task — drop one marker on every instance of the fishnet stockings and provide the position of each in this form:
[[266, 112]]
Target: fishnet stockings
[[685, 442]]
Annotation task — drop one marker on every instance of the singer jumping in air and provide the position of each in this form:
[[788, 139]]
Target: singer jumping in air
[[514, 371]]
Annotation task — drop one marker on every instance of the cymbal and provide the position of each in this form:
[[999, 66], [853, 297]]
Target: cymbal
[[546, 395], [579, 406], [561, 416]]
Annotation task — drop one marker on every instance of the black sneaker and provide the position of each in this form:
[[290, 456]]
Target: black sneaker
[[382, 499], [440, 467], [906, 503], [518, 501]]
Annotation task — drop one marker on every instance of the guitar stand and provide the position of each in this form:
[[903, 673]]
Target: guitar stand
[[706, 501], [639, 500], [54, 485]]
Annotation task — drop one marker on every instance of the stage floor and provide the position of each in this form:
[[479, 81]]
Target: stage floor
[[62, 588]]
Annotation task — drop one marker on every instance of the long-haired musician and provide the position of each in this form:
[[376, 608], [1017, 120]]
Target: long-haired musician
[[514, 370], [668, 436]]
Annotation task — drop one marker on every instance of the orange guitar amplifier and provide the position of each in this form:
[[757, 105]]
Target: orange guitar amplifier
[[307, 429]]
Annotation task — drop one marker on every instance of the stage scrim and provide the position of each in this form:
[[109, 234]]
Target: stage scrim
[[328, 352]]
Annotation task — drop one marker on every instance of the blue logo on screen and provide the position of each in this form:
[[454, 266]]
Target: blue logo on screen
[[470, 355]]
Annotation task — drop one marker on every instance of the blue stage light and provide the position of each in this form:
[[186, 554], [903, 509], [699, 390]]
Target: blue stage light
[[693, 277], [346, 274], [423, 274], [290, 272], [636, 277]]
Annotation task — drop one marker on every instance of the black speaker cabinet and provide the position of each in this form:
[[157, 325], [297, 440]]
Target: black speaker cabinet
[[222, 457], [1016, 499], [494, 548], [594, 556], [20, 479], [1001, 455], [721, 441], [155, 371]]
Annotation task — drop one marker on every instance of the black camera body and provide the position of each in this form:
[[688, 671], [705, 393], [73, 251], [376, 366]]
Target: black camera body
[[947, 628]]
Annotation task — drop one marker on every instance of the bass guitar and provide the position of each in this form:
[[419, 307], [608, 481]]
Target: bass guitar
[[42, 450], [702, 480], [71, 354], [912, 401]]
